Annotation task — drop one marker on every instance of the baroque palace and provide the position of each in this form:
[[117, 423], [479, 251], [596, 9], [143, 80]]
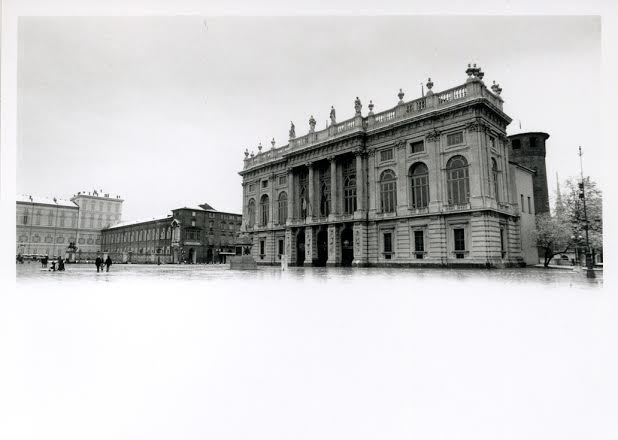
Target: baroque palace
[[427, 182]]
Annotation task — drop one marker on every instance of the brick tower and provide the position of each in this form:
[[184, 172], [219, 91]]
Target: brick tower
[[528, 149]]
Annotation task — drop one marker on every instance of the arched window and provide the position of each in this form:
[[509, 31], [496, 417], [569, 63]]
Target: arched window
[[388, 191], [251, 213], [494, 172], [419, 182], [283, 208], [349, 187], [457, 181], [264, 207]]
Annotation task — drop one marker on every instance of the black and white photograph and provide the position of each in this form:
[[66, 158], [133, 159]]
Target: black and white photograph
[[340, 221]]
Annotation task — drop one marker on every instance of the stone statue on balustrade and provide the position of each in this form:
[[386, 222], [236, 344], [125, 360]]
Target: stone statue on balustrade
[[357, 106], [333, 118], [292, 130]]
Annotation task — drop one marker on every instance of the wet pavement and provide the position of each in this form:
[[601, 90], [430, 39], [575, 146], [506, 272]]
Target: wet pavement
[[529, 276]]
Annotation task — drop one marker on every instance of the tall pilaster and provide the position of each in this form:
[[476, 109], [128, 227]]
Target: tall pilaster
[[402, 178], [432, 146], [309, 246], [271, 206]]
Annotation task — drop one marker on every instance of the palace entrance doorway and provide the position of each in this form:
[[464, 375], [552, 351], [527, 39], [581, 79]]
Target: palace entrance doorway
[[347, 246], [322, 247], [300, 247]]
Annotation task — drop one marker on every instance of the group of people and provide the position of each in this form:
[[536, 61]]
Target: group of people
[[55, 265], [99, 263]]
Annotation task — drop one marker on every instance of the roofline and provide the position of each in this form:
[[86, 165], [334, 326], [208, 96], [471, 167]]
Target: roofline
[[529, 133]]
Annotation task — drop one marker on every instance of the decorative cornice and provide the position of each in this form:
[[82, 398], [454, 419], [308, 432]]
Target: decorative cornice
[[477, 126], [432, 136], [400, 145]]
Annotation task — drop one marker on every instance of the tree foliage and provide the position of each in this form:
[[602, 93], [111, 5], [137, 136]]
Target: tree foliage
[[574, 211], [553, 235]]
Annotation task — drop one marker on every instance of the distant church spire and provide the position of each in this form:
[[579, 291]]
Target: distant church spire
[[559, 202]]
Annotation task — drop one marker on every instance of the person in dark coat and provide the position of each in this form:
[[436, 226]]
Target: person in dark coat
[[108, 263], [60, 264], [44, 261], [98, 263]]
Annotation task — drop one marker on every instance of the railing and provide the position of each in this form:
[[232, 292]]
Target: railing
[[457, 207], [266, 156], [438, 100], [385, 116], [345, 126], [452, 95]]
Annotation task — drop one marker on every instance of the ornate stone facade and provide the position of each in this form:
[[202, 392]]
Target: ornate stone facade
[[427, 182]]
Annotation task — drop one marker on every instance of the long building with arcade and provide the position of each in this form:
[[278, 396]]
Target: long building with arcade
[[426, 182]]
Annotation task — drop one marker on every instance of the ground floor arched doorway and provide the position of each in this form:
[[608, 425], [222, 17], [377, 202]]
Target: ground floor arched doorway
[[347, 246], [191, 257], [322, 247], [300, 247]]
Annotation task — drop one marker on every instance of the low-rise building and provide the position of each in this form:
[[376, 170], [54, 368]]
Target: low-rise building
[[194, 234]]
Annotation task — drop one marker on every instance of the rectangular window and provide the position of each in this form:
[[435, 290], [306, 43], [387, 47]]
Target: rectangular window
[[419, 241], [522, 203], [388, 244], [454, 138], [280, 247], [251, 187], [529, 206], [262, 247], [193, 223], [516, 143], [502, 244], [417, 147], [264, 183], [386, 155], [283, 180], [192, 213], [460, 240]]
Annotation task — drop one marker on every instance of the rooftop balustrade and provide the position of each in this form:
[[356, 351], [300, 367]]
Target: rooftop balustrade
[[473, 89]]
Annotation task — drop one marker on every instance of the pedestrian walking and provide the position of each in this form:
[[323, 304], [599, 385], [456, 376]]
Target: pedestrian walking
[[98, 263], [108, 263], [60, 264], [44, 262]]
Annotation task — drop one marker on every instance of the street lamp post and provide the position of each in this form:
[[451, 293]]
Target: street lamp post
[[582, 195]]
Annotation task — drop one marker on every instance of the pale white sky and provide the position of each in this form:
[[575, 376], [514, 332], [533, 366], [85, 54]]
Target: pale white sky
[[160, 110]]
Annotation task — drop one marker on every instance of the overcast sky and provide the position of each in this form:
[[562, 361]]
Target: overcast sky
[[160, 110]]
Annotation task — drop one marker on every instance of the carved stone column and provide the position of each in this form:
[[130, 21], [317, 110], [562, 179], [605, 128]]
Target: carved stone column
[[334, 194], [370, 198], [334, 246], [311, 192], [291, 196], [361, 184], [309, 246]]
